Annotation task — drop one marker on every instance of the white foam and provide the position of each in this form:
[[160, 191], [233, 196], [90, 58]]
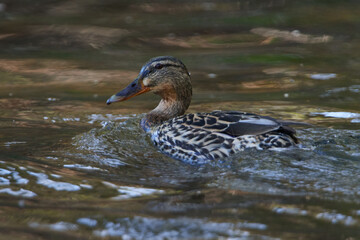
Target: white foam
[[8, 144], [80, 166], [13, 174], [86, 186], [354, 88], [131, 192], [71, 119], [87, 222], [108, 117], [42, 179], [19, 180], [334, 217], [55, 175], [157, 228], [4, 181], [112, 162], [338, 114], [59, 226], [323, 76], [212, 75], [4, 171], [19, 193], [289, 210]]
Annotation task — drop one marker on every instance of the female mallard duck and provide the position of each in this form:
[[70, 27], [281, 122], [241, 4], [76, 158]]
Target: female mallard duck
[[198, 137]]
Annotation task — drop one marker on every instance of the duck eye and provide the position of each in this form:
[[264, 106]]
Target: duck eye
[[159, 66]]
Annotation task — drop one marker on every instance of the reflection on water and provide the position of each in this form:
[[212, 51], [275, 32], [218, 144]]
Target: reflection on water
[[182, 228], [71, 167]]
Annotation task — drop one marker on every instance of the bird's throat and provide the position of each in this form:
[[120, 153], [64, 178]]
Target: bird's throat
[[167, 109]]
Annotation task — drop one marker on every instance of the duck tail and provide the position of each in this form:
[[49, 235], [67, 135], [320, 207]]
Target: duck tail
[[290, 132]]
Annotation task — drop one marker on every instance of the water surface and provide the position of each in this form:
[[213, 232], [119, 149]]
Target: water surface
[[72, 167]]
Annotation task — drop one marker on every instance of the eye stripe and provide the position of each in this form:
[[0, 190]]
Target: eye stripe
[[144, 72], [159, 66], [159, 63]]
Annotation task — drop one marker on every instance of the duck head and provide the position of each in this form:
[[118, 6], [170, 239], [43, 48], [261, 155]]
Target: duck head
[[165, 76]]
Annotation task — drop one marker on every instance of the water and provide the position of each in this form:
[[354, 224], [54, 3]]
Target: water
[[72, 167]]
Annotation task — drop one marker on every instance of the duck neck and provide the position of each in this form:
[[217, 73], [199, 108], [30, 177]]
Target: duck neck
[[165, 111], [168, 108]]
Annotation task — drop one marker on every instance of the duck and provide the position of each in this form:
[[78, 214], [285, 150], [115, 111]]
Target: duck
[[198, 138]]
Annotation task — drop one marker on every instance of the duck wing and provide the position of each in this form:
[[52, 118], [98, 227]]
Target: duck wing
[[235, 124]]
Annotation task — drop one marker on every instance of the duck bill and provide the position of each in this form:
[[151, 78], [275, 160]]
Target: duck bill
[[133, 89]]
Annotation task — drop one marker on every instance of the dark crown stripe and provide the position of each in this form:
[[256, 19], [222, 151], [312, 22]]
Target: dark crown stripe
[[167, 61], [171, 65]]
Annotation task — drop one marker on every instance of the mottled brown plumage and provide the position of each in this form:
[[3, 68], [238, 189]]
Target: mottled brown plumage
[[198, 137]]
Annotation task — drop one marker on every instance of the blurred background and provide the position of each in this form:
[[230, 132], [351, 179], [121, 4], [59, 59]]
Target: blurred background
[[73, 167]]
